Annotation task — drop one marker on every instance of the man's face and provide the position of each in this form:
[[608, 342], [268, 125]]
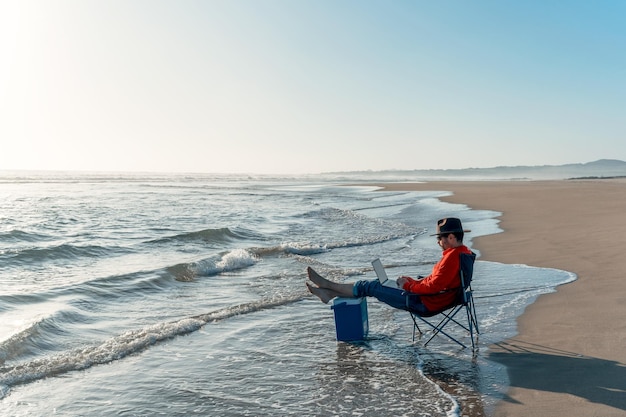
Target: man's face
[[444, 241]]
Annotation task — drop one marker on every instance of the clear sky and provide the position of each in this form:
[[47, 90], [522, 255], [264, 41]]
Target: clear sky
[[307, 86]]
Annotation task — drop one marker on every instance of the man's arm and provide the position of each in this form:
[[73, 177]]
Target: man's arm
[[444, 277]]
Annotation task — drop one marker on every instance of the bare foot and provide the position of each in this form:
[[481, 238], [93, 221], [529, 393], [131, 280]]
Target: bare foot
[[321, 293], [317, 279]]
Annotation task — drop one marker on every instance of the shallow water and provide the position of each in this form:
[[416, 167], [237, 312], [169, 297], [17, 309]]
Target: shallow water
[[184, 295]]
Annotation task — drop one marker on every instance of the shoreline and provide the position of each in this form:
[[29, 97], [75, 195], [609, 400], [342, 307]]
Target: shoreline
[[569, 355]]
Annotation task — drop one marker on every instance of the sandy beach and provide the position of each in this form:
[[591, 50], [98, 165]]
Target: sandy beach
[[569, 357]]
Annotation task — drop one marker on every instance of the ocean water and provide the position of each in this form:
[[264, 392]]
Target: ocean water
[[178, 295]]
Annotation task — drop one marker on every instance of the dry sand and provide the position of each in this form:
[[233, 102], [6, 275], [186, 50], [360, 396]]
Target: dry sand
[[569, 357]]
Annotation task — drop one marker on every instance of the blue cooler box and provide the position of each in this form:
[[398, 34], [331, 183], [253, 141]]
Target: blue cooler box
[[350, 318]]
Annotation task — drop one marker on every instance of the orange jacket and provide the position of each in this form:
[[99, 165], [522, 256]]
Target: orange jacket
[[445, 276]]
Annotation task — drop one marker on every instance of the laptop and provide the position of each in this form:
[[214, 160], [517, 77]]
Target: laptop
[[382, 275]]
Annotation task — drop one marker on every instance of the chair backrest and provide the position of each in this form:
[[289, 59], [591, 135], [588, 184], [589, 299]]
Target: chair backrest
[[467, 272]]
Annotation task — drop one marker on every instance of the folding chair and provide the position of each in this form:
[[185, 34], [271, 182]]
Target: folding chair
[[464, 300]]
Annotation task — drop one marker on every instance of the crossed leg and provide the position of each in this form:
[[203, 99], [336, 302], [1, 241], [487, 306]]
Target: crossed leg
[[325, 289]]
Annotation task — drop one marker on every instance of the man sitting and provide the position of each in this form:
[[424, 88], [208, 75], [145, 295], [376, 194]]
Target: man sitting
[[428, 294]]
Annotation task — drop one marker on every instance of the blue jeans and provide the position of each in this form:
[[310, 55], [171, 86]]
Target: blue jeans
[[395, 297]]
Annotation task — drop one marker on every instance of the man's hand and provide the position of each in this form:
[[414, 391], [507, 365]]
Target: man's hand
[[403, 280]]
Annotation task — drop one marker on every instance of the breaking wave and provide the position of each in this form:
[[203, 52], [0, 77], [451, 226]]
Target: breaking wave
[[230, 261], [125, 344], [219, 235]]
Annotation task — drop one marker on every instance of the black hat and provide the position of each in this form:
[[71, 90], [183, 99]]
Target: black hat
[[449, 225]]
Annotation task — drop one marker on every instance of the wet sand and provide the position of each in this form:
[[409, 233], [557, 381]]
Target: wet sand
[[569, 357]]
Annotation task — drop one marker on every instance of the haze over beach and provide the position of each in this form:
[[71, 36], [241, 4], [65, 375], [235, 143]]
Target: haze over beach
[[286, 87]]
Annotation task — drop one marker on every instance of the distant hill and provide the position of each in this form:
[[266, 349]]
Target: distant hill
[[602, 168]]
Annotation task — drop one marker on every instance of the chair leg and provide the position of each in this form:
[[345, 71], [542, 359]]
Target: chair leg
[[438, 328], [474, 317], [472, 325], [444, 322], [415, 326]]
